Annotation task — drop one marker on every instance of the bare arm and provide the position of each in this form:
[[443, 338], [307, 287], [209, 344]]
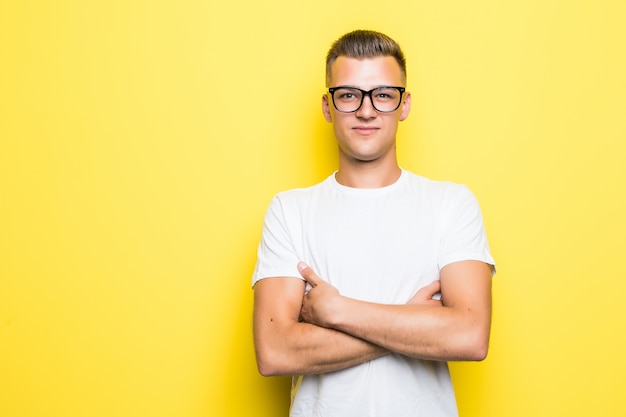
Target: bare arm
[[287, 346], [457, 330]]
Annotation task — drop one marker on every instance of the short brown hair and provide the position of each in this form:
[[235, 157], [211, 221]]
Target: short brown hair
[[364, 44]]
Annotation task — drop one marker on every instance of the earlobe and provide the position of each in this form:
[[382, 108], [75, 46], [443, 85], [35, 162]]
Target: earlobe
[[326, 109]]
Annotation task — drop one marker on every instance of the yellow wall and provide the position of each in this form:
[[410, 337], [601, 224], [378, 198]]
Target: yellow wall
[[141, 141]]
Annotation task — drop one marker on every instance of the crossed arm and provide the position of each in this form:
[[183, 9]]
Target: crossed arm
[[323, 331]]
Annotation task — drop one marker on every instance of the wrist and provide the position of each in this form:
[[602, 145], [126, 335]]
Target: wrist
[[337, 311]]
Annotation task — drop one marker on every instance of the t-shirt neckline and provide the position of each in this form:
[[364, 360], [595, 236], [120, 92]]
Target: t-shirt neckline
[[367, 191]]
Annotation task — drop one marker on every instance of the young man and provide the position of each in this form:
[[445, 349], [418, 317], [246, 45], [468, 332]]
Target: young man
[[350, 271]]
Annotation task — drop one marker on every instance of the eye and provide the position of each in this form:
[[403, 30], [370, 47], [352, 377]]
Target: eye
[[385, 94], [347, 94]]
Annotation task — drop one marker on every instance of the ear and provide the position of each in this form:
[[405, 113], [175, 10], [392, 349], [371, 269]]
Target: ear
[[406, 106], [326, 109]]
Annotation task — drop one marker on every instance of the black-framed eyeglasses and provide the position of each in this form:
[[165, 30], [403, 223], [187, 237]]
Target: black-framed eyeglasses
[[350, 99]]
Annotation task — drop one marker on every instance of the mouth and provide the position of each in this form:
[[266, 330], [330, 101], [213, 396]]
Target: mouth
[[365, 130]]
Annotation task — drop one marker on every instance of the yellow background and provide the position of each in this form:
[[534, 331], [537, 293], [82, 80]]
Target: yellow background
[[141, 142]]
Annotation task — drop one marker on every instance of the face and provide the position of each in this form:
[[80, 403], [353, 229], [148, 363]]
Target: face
[[366, 135]]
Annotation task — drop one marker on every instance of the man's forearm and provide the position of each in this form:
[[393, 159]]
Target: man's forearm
[[426, 332], [287, 346], [457, 329], [302, 348]]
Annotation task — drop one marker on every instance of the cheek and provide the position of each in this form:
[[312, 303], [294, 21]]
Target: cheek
[[340, 126], [337, 130]]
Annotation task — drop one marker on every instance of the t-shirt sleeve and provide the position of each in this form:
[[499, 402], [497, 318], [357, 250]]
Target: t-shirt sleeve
[[276, 255], [464, 236]]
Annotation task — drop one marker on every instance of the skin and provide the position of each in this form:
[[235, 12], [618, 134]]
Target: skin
[[457, 329], [323, 331], [366, 139]]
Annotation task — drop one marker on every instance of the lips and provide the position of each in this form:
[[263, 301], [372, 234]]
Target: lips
[[365, 129]]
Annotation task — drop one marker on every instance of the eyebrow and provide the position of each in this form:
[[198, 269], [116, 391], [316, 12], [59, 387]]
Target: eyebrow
[[359, 88]]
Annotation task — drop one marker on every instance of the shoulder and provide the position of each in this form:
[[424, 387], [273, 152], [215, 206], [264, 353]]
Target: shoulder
[[290, 204], [303, 194], [436, 189]]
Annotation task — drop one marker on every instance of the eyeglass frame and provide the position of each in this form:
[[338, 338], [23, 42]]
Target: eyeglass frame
[[364, 93]]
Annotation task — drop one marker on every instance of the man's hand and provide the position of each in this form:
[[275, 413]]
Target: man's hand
[[425, 295], [319, 302]]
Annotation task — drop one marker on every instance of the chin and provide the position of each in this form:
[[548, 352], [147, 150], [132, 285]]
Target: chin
[[364, 158]]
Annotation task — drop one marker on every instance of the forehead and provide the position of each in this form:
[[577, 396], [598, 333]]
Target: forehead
[[366, 72]]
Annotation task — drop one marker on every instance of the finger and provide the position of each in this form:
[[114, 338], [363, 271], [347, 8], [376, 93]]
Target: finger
[[434, 290], [430, 288], [433, 287], [308, 274]]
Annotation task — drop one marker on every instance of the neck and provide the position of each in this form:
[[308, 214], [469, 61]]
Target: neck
[[371, 174]]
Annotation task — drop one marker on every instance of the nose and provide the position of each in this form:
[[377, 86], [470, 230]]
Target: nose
[[367, 110]]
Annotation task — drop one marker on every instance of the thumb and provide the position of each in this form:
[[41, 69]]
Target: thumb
[[434, 286], [308, 274]]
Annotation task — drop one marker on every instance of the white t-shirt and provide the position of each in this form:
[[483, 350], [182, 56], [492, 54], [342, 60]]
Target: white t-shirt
[[379, 245]]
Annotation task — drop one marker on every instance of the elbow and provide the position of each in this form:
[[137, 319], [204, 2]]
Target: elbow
[[269, 363], [266, 368], [476, 339], [274, 357], [471, 345], [470, 353], [477, 347], [478, 353]]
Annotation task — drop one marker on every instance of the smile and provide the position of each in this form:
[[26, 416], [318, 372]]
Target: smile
[[365, 129]]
